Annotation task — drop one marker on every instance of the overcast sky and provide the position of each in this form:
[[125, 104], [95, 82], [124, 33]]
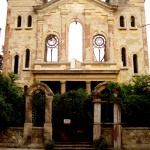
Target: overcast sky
[[3, 10]]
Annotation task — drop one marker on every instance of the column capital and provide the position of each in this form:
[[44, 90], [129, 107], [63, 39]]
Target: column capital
[[97, 101], [62, 82]]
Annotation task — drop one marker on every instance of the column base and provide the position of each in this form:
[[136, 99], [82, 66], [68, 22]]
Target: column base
[[27, 133], [47, 132]]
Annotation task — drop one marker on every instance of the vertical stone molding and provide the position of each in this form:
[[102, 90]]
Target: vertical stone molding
[[117, 127], [27, 135], [63, 86], [88, 87]]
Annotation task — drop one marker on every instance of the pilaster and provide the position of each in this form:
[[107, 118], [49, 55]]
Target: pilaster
[[117, 127], [97, 119]]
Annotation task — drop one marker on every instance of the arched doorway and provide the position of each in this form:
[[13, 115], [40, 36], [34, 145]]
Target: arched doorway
[[28, 126], [99, 104]]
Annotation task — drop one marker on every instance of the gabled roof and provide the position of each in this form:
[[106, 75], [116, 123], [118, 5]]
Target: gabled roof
[[55, 2]]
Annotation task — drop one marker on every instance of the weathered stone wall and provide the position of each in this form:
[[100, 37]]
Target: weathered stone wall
[[136, 138], [132, 138], [13, 137]]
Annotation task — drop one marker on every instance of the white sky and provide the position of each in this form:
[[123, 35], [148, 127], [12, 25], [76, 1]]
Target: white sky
[[3, 10]]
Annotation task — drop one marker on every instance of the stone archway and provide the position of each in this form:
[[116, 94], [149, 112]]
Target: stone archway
[[97, 116], [27, 135]]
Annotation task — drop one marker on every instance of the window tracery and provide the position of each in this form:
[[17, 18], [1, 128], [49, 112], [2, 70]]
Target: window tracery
[[99, 45], [52, 48]]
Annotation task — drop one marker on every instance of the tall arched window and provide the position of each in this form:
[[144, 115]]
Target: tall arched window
[[27, 59], [99, 48], [29, 21], [123, 56], [16, 64], [135, 63], [122, 23], [132, 21], [52, 48], [75, 41], [19, 21]]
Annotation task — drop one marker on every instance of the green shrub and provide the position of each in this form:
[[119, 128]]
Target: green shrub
[[101, 144], [50, 145]]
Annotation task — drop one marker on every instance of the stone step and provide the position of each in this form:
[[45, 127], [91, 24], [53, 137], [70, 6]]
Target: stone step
[[74, 146]]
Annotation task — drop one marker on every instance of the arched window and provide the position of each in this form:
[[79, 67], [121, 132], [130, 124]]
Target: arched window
[[52, 48], [19, 21], [16, 64], [122, 23], [135, 63], [123, 56], [99, 48], [75, 41], [29, 21], [132, 21], [27, 59]]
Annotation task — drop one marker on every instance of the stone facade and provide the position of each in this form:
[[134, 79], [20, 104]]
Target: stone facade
[[96, 18], [114, 48]]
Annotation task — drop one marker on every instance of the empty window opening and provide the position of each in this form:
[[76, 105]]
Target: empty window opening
[[29, 21], [99, 46], [107, 114], [123, 55], [122, 21], [16, 64], [19, 20], [55, 86], [27, 61], [94, 84], [135, 63], [74, 85], [132, 21], [52, 48], [75, 41]]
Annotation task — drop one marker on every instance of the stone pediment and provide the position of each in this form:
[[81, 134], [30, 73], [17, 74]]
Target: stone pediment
[[79, 6]]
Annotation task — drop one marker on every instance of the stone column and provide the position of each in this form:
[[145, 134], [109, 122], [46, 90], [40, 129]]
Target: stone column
[[88, 87], [63, 86], [48, 119], [27, 133], [97, 118], [117, 127]]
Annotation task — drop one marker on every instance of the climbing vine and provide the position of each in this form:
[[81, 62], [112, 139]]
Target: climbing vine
[[133, 98]]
